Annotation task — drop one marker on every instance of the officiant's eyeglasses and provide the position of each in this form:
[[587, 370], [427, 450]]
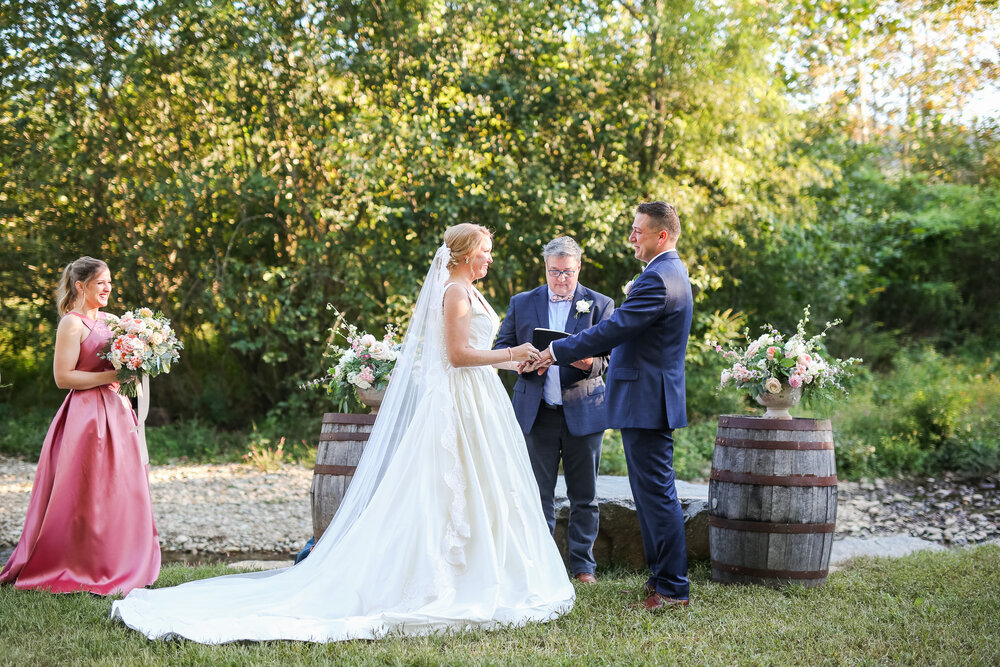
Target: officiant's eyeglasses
[[555, 273]]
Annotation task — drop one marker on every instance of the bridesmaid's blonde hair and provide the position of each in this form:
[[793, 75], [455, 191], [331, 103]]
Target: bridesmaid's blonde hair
[[82, 270], [463, 239]]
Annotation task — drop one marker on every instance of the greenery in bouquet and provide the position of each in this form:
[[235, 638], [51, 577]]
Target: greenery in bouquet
[[773, 362], [365, 362], [142, 343]]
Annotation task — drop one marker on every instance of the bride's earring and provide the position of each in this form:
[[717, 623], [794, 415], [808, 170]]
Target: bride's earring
[[466, 260]]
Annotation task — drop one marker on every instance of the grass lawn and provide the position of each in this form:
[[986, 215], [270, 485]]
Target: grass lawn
[[929, 608]]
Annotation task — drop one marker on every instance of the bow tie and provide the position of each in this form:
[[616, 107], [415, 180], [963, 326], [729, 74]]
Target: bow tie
[[555, 298]]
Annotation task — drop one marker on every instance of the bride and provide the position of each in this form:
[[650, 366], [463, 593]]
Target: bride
[[441, 527]]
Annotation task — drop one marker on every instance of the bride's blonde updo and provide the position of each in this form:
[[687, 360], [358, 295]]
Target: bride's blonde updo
[[463, 239], [81, 270]]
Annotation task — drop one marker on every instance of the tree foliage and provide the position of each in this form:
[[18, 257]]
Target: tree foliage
[[239, 165]]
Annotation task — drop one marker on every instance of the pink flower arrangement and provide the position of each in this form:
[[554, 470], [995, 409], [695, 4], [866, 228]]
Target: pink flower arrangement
[[366, 362], [142, 344], [772, 362]]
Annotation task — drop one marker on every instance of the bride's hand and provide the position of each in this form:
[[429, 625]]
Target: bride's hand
[[524, 352]]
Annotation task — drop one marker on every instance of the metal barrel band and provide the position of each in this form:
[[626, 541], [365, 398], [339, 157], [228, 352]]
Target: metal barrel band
[[776, 528], [796, 445], [323, 469], [772, 480], [761, 424], [340, 436], [343, 418], [770, 574]]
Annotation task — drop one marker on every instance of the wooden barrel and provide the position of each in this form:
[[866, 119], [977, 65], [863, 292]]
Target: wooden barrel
[[342, 439], [772, 501]]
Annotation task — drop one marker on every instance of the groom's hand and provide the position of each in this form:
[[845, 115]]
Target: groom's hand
[[544, 361]]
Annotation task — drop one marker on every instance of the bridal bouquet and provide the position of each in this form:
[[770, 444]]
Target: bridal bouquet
[[773, 362], [142, 344], [366, 362]]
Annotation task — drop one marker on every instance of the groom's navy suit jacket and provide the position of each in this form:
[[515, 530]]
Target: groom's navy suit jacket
[[647, 336], [582, 391]]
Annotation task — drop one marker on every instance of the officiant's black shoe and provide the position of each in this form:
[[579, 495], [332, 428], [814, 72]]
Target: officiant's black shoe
[[647, 589], [659, 602], [585, 578]]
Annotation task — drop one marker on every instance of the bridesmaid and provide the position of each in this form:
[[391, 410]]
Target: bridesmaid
[[90, 519]]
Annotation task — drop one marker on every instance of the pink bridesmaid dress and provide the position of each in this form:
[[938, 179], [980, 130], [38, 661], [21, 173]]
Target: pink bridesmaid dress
[[90, 518]]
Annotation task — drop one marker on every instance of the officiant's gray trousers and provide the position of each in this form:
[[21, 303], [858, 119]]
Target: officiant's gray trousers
[[548, 442]]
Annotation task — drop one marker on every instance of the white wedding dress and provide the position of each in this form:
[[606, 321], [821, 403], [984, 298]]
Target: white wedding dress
[[451, 535]]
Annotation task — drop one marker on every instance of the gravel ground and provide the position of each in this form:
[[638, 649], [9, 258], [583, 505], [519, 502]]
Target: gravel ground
[[949, 510], [199, 509], [233, 508]]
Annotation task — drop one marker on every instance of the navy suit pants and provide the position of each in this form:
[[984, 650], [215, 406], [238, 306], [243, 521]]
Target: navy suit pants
[[548, 441], [649, 454]]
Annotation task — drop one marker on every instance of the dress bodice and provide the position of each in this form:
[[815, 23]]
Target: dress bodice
[[485, 322], [93, 344]]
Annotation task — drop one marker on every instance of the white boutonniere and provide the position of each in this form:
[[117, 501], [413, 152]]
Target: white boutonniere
[[583, 307], [628, 285]]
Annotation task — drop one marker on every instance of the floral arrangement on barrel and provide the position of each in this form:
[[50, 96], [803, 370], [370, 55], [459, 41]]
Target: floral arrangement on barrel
[[361, 368], [775, 369]]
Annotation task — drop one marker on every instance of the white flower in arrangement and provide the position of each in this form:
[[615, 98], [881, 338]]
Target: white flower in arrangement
[[382, 351], [367, 340], [773, 385]]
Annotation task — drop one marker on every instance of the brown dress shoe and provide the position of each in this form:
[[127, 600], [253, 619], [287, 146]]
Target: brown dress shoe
[[659, 602], [585, 578], [647, 589]]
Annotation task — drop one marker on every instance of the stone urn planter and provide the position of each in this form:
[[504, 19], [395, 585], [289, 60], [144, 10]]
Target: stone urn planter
[[778, 404], [371, 398]]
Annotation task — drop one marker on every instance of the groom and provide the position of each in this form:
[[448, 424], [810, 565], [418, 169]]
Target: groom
[[562, 413], [648, 337]]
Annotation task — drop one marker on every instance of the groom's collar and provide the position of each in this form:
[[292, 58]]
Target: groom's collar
[[665, 252]]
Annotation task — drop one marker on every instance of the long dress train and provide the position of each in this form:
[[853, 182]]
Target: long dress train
[[89, 525], [452, 538]]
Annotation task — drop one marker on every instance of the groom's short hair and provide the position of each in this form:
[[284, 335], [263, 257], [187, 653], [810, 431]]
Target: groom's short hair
[[563, 246], [662, 216]]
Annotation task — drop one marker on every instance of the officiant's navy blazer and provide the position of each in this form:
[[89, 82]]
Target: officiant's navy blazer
[[582, 392], [647, 336]]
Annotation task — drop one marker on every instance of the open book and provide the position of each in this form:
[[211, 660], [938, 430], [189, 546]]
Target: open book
[[542, 337]]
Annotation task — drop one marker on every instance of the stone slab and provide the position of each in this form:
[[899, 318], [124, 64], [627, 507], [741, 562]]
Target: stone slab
[[891, 546], [618, 539]]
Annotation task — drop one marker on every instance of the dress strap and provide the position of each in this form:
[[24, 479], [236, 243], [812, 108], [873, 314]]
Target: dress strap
[[86, 320], [449, 284]]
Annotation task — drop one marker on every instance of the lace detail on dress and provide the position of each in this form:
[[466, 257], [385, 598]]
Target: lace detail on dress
[[457, 531]]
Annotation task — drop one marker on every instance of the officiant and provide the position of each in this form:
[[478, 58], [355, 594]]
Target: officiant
[[562, 412]]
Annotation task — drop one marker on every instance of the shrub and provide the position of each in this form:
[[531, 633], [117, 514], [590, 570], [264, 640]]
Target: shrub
[[23, 431], [193, 440], [929, 414], [265, 459], [692, 452]]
